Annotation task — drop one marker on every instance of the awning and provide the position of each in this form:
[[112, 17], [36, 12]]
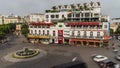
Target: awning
[[89, 40], [41, 23], [82, 23]]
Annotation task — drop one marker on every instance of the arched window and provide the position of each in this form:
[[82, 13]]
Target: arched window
[[35, 31], [39, 32], [31, 31], [43, 32], [78, 33], [98, 34], [53, 33], [72, 33], [85, 34], [91, 33], [47, 32]]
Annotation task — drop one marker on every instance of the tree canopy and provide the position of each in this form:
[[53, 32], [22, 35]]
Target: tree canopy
[[25, 29], [6, 29], [118, 30]]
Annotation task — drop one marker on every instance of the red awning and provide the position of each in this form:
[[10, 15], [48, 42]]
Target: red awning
[[83, 23], [88, 40], [41, 23], [107, 37]]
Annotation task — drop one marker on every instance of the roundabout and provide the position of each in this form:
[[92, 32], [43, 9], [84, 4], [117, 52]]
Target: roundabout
[[25, 54]]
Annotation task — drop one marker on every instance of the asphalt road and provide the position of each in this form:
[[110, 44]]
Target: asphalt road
[[55, 54]]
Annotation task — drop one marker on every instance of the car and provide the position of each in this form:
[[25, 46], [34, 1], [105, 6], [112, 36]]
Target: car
[[115, 50], [108, 64], [117, 57], [98, 58]]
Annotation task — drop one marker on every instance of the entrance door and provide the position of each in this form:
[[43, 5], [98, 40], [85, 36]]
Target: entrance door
[[53, 40]]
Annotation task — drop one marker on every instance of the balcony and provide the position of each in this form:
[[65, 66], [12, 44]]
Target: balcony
[[38, 36], [86, 37]]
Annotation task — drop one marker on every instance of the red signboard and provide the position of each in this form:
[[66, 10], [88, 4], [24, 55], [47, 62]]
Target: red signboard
[[60, 37]]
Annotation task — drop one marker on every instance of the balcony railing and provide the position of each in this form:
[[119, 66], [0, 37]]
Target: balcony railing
[[86, 37], [38, 36]]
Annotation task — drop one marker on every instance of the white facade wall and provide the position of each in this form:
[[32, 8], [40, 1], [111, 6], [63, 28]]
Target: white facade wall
[[60, 16], [36, 17]]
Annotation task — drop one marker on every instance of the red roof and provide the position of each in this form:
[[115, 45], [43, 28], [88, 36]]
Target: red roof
[[41, 23], [83, 23]]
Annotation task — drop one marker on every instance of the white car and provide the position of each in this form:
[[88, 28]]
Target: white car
[[98, 58]]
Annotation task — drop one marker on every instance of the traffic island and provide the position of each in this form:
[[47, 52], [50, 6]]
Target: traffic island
[[25, 54]]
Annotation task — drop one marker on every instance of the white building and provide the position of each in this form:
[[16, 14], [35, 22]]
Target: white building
[[115, 22], [81, 24], [34, 17]]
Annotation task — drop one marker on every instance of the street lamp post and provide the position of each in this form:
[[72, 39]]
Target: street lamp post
[[101, 41]]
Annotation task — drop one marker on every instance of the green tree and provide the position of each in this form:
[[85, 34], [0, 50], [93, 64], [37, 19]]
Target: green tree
[[118, 30], [25, 29], [2, 35], [12, 26], [111, 32]]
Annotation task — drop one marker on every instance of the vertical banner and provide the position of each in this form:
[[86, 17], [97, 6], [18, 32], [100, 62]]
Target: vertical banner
[[109, 28], [60, 37]]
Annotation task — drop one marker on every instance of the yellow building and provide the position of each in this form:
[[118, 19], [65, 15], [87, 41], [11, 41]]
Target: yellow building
[[18, 29], [115, 22], [9, 19]]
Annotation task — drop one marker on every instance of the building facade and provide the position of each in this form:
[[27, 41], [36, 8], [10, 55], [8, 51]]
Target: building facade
[[115, 22], [80, 24], [34, 17], [10, 19]]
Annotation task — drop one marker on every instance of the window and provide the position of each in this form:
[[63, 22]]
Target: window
[[77, 15], [87, 14], [105, 26], [39, 26], [43, 32], [91, 15], [91, 34], [82, 14], [84, 33], [31, 31], [52, 16], [39, 32], [35, 26], [47, 16], [98, 34], [62, 16], [35, 31], [31, 26], [53, 33], [69, 15], [72, 33], [47, 32], [57, 16], [43, 26], [78, 33]]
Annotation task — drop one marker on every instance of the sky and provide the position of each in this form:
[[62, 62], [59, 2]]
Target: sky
[[25, 7]]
